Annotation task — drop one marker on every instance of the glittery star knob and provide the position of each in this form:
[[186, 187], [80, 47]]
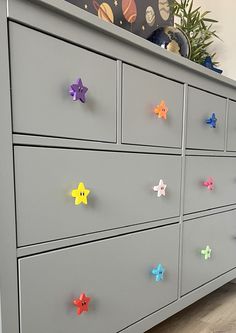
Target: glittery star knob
[[158, 272], [78, 90], [209, 183], [206, 252], [82, 303], [80, 194], [211, 121], [161, 110], [160, 188]]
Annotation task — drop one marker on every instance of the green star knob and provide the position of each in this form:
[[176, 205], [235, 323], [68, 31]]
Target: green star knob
[[206, 252]]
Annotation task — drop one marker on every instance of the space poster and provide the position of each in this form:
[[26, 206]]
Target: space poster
[[140, 17]]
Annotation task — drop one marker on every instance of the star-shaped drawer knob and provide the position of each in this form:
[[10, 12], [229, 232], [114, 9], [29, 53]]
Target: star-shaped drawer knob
[[161, 110], [160, 188], [158, 272], [80, 194], [206, 252], [82, 303], [211, 121], [77, 90], [209, 183]]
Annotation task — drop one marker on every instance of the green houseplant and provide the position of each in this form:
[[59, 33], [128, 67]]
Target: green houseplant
[[197, 26]]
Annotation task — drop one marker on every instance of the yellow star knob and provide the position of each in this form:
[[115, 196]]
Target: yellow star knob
[[80, 194]]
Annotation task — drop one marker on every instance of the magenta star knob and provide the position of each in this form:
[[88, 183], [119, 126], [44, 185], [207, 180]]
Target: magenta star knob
[[78, 90], [209, 183]]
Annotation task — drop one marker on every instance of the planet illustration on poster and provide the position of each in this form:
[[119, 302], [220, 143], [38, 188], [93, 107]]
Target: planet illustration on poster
[[129, 10], [104, 11], [164, 9], [150, 16], [140, 17]]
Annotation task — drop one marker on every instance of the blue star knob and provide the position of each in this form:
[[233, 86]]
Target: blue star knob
[[212, 121], [158, 272]]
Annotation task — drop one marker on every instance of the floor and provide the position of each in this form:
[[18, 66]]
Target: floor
[[215, 313]]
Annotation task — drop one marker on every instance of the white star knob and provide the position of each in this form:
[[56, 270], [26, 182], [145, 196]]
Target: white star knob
[[160, 188]]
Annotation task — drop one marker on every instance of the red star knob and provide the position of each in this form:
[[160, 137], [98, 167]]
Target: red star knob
[[82, 303]]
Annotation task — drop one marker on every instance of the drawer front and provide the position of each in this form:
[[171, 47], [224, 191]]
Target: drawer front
[[43, 68], [200, 134], [116, 274], [231, 142], [120, 184], [142, 93], [199, 170], [219, 233]]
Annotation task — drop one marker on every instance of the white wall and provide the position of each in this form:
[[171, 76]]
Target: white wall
[[225, 12]]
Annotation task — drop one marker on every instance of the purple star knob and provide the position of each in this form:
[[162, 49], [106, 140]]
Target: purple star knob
[[78, 90]]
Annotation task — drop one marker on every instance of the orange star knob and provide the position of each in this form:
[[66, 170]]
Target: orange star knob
[[161, 110]]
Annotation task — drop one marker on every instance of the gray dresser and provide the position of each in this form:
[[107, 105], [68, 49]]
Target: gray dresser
[[118, 175]]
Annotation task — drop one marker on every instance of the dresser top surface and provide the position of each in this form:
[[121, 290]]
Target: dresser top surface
[[116, 32]]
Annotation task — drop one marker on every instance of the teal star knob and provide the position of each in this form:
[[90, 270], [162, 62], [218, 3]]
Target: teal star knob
[[158, 272]]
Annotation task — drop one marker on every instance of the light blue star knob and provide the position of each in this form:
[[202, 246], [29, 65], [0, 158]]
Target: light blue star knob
[[158, 272]]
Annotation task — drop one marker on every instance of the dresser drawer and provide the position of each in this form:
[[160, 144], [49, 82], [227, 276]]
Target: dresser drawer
[[43, 68], [199, 170], [218, 232], [231, 142], [120, 184], [201, 107], [115, 273], [142, 93]]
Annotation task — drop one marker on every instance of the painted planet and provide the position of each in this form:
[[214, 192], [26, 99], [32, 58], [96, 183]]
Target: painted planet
[[129, 10], [104, 11], [150, 16], [164, 9]]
